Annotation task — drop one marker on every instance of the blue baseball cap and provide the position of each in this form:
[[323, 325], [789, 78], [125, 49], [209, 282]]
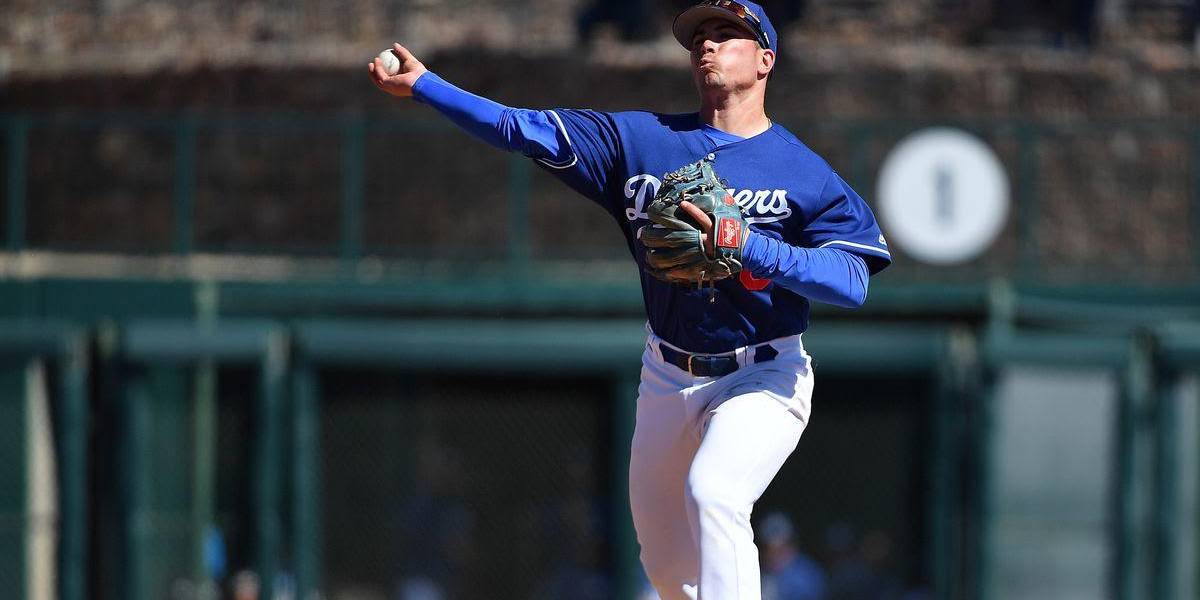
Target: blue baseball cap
[[748, 15]]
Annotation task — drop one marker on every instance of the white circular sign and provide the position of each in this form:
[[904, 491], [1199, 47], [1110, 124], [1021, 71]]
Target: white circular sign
[[943, 196]]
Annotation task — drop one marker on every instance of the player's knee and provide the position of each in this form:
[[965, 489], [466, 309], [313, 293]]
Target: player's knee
[[711, 495]]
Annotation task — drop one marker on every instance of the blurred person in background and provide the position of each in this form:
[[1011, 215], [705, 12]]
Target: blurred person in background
[[437, 526], [246, 586], [850, 578], [726, 384], [856, 564], [573, 528], [789, 574]]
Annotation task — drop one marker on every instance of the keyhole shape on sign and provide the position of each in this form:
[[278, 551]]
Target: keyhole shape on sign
[[943, 196]]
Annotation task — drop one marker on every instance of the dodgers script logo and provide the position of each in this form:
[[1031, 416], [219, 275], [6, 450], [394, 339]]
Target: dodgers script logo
[[760, 206]]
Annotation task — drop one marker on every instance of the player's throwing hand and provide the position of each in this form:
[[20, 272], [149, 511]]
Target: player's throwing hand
[[400, 84]]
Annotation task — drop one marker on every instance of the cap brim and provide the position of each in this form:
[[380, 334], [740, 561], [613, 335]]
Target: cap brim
[[686, 23]]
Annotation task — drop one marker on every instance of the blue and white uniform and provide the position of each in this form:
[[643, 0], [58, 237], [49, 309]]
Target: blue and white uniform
[[711, 431]]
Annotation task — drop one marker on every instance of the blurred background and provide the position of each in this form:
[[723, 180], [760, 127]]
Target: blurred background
[[268, 333]]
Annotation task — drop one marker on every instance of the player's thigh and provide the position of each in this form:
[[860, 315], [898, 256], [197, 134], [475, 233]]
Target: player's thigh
[[661, 453], [746, 441], [662, 449], [664, 434]]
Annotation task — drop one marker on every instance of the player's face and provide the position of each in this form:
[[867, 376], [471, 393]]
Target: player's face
[[726, 56]]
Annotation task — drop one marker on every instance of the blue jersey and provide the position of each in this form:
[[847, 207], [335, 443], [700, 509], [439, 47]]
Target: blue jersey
[[785, 190]]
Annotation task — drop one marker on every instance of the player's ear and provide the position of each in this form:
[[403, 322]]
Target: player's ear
[[766, 62]]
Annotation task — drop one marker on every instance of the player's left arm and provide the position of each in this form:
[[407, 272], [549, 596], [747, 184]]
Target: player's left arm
[[832, 258], [826, 275]]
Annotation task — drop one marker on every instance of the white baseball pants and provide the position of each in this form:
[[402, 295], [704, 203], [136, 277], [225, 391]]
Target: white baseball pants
[[704, 450]]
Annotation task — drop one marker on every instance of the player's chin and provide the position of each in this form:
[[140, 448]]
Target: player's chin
[[707, 80]]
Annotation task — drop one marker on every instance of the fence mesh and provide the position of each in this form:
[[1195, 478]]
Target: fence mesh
[[477, 487], [1090, 204], [856, 486], [268, 190], [105, 187]]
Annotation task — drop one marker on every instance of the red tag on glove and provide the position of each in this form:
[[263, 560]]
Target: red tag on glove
[[729, 233]]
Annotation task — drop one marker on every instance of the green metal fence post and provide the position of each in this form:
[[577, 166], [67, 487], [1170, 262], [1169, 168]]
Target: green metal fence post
[[17, 153], [1196, 202], [983, 424], [268, 459], [1135, 391], [184, 184], [937, 552], [953, 381], [1002, 312], [519, 243], [354, 132], [14, 475], [135, 399], [204, 463], [204, 434], [625, 563], [1166, 465], [72, 390], [306, 480], [109, 525]]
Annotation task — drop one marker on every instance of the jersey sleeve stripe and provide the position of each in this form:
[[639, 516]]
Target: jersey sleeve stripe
[[574, 157], [857, 247]]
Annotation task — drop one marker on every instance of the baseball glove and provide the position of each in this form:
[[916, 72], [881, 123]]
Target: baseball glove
[[691, 205]]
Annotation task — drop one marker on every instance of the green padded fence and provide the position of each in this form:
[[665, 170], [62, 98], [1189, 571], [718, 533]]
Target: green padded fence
[[162, 373], [310, 395]]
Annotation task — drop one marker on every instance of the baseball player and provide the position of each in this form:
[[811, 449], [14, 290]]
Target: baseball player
[[726, 383]]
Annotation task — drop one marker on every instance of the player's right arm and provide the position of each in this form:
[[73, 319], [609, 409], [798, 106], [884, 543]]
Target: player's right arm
[[534, 133]]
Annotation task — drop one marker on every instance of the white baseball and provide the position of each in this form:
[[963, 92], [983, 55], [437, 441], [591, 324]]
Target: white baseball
[[391, 63]]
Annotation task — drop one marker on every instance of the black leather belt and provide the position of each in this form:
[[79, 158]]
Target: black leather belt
[[712, 365]]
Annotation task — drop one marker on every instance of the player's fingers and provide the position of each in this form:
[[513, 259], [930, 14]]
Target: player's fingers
[[702, 221], [373, 72], [377, 72], [403, 53], [657, 237]]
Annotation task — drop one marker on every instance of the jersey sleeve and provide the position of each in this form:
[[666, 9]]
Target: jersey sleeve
[[590, 147], [841, 219]]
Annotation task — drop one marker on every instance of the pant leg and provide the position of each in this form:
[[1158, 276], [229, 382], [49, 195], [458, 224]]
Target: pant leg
[[664, 443], [747, 440]]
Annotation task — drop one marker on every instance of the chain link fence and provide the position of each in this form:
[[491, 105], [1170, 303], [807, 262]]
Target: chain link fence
[[1109, 201], [471, 486]]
